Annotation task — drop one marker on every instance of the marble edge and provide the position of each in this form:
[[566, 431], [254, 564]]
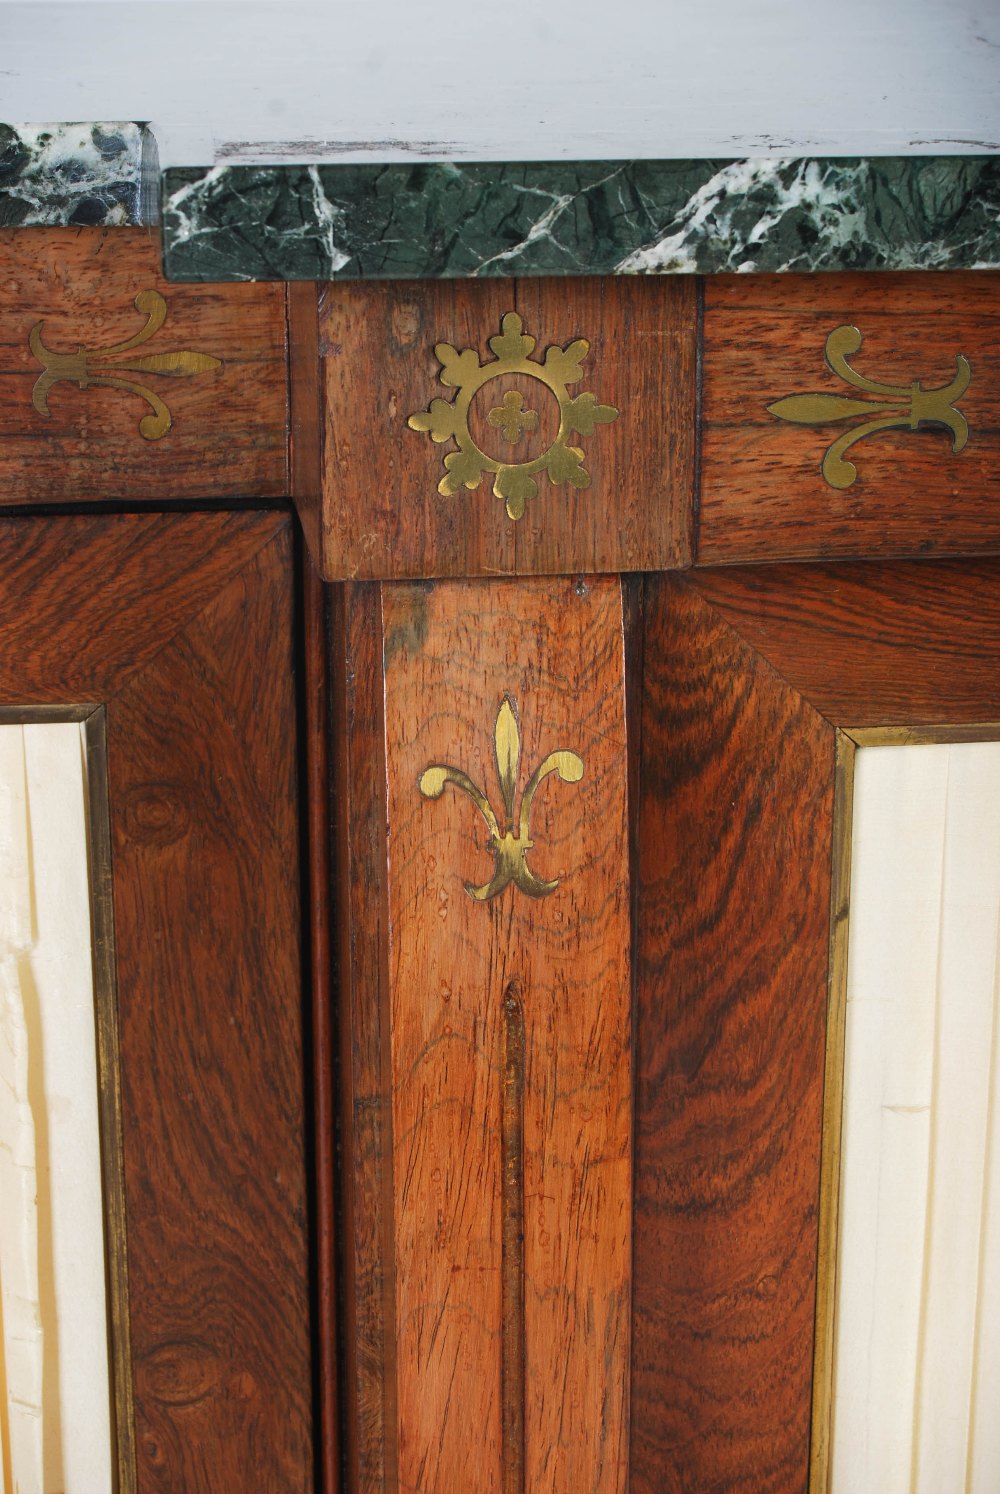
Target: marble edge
[[440, 220], [70, 175], [455, 220]]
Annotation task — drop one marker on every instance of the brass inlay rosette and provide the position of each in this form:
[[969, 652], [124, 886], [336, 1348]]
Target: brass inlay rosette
[[448, 420], [900, 406]]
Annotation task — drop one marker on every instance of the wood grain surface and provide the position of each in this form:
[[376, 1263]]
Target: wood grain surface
[[63, 609], [745, 675], [451, 654], [325, 1167], [874, 644], [763, 496], [361, 828], [734, 826], [197, 676], [305, 412], [382, 513], [229, 434]]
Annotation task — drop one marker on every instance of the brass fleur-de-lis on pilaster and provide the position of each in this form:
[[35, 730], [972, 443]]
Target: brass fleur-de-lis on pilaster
[[509, 849], [106, 365], [908, 407]]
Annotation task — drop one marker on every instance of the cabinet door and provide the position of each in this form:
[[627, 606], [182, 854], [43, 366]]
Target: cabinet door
[[757, 685], [172, 637]]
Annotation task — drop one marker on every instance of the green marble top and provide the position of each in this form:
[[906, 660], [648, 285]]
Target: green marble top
[[434, 221]]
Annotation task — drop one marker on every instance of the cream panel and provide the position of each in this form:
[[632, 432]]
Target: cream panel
[[918, 1282], [55, 1426]]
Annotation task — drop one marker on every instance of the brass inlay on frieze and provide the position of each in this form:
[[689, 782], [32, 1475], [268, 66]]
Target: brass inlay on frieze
[[448, 420], [509, 849], [105, 366], [908, 406]]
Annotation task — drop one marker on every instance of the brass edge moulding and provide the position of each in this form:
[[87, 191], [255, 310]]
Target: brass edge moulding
[[833, 1108], [31, 715], [922, 736], [104, 366], [109, 1090], [907, 407], [509, 849], [446, 420]]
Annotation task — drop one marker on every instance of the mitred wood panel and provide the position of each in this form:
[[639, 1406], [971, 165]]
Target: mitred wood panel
[[228, 436], [763, 495], [201, 760], [452, 653], [382, 513], [874, 644], [87, 601], [734, 836], [746, 675]]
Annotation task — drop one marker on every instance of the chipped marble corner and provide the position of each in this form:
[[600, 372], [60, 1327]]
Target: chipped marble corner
[[443, 220], [77, 175]]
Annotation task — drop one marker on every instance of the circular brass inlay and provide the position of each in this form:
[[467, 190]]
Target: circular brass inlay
[[514, 477]]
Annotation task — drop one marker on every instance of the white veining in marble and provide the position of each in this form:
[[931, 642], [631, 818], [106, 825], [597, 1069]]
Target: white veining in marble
[[709, 216], [329, 221]]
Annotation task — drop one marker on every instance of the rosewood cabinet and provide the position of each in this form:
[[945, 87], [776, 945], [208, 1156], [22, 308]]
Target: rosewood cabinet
[[475, 896]]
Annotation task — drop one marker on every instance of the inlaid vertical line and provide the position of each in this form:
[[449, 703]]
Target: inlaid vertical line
[[512, 1232]]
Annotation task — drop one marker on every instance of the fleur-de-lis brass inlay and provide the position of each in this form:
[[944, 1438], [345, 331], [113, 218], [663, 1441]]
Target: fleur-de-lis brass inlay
[[446, 420], [909, 406], [509, 849], [105, 365]]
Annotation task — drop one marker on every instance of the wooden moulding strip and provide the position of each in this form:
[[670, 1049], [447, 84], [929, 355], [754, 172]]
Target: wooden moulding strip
[[317, 705], [833, 1109]]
